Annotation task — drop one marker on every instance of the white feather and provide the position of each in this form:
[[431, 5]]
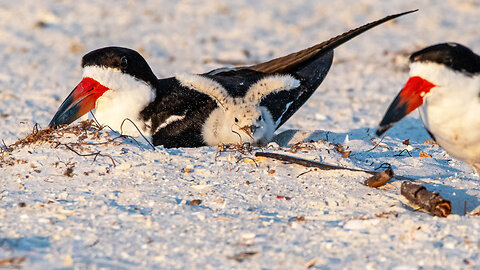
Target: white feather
[[451, 110], [170, 119], [125, 98], [205, 85], [268, 85]]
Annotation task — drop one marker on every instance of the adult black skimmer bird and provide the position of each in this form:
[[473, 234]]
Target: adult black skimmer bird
[[445, 85], [228, 105]]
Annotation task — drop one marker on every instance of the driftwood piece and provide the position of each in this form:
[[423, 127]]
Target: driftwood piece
[[380, 178], [427, 200], [308, 163]]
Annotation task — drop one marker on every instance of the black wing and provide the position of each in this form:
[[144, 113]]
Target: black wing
[[310, 66], [189, 106]]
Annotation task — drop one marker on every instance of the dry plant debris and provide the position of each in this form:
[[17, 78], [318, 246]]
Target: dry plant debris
[[310, 263], [240, 257], [195, 202], [244, 149], [423, 154], [82, 131], [427, 200], [301, 146], [430, 142], [12, 262], [341, 149], [379, 179]]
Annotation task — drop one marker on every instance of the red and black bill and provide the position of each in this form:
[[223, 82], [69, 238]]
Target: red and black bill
[[410, 98], [80, 101]]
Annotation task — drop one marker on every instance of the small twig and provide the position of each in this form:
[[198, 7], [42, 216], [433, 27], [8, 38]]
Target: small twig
[[383, 165], [100, 127], [35, 129], [308, 163], [122, 136], [400, 154], [244, 158], [322, 166], [239, 136], [88, 155], [304, 173], [94, 243], [141, 134], [377, 144]]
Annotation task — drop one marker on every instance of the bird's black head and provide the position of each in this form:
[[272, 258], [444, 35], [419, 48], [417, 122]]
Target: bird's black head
[[126, 60], [452, 55], [84, 96]]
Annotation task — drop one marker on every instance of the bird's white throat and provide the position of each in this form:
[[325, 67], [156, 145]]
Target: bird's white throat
[[451, 110], [125, 99]]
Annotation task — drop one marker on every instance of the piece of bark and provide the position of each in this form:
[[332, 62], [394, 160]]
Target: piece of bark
[[427, 200], [195, 202], [380, 178], [423, 154]]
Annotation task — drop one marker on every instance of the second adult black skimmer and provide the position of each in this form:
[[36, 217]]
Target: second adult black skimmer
[[228, 106], [445, 85]]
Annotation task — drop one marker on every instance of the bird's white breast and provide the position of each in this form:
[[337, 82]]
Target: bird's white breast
[[125, 99], [451, 110]]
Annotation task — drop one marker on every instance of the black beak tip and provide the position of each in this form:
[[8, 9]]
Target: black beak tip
[[53, 124], [64, 116], [57, 120], [382, 129]]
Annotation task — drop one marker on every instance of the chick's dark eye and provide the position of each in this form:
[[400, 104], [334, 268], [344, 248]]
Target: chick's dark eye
[[236, 120], [123, 62], [259, 118]]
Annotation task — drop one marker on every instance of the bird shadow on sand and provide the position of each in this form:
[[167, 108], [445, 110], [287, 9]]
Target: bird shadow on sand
[[435, 172]]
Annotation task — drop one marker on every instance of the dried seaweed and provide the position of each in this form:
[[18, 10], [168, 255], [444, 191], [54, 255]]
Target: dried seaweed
[[82, 131]]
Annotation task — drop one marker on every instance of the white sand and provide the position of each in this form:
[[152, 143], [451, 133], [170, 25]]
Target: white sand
[[136, 215]]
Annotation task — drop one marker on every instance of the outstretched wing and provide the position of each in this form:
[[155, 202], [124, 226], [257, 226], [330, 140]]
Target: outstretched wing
[[295, 61], [189, 108], [310, 66]]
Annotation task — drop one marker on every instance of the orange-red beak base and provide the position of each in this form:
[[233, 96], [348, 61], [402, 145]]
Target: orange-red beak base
[[410, 98], [80, 101]]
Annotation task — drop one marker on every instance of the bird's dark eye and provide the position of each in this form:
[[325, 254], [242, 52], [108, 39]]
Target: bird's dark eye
[[259, 118], [236, 120], [124, 63]]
